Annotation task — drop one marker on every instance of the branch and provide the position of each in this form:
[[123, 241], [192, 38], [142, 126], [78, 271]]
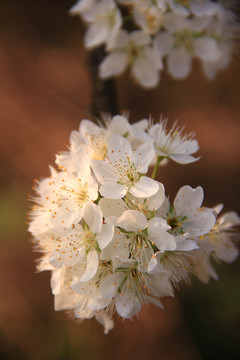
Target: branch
[[103, 93]]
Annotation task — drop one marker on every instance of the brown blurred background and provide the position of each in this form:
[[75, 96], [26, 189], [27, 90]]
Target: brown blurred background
[[44, 93]]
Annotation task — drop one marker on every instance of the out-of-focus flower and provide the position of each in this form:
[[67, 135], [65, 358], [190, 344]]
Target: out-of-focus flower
[[103, 17], [138, 34], [184, 39], [133, 50]]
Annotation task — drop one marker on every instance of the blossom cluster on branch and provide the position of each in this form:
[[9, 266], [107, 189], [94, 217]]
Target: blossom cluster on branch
[[110, 236], [140, 34]]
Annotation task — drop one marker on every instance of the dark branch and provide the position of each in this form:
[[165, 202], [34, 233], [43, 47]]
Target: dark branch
[[103, 93]]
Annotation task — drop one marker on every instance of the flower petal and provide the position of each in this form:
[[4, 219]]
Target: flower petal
[[206, 49], [145, 187], [105, 236], [188, 200], [143, 156], [93, 217], [112, 207], [127, 306], [113, 65], [113, 190], [92, 266], [110, 284], [179, 63], [130, 220], [103, 171]]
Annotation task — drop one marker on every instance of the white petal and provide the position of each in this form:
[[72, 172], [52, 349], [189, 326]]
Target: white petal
[[206, 49], [112, 207], [155, 201], [119, 125], [146, 73], [114, 64], [164, 42], [57, 280], [140, 37], [96, 34], [154, 265], [92, 265], [81, 6], [96, 304], [184, 244], [127, 306], [158, 234], [113, 190], [203, 7], [103, 171], [143, 156], [229, 253], [161, 286], [164, 208], [179, 63], [116, 247], [202, 225], [188, 199], [119, 41], [140, 125], [110, 284], [183, 158], [105, 236], [119, 149], [145, 187], [105, 321], [130, 220], [93, 217]]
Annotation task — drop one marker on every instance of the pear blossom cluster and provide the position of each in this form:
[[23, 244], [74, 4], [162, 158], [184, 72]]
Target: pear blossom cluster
[[108, 233], [144, 36]]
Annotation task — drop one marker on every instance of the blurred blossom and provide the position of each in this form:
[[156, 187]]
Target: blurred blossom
[[176, 30]]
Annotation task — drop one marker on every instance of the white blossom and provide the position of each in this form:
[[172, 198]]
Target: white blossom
[[108, 233], [172, 144], [124, 170], [184, 39], [132, 50], [104, 21]]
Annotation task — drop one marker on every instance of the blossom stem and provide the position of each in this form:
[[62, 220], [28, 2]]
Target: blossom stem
[[159, 159], [103, 93]]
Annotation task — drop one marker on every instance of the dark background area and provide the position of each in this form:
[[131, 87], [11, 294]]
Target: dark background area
[[44, 93]]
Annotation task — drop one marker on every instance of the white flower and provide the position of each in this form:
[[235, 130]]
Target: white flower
[[131, 288], [143, 235], [196, 7], [184, 39], [123, 170], [104, 20], [81, 6], [113, 207], [83, 244], [69, 194], [171, 144], [186, 216], [148, 16], [93, 139], [133, 50], [108, 233], [225, 30], [218, 244]]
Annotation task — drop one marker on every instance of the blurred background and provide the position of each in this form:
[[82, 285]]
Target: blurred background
[[44, 93]]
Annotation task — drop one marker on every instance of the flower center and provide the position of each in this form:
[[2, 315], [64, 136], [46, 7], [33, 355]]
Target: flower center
[[185, 39], [135, 282], [185, 3], [176, 223]]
